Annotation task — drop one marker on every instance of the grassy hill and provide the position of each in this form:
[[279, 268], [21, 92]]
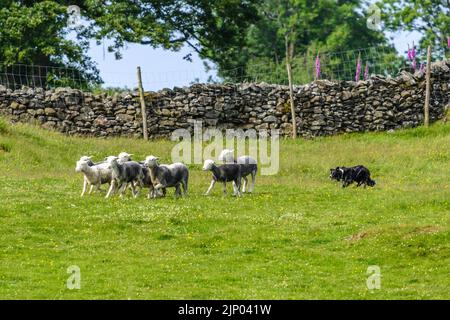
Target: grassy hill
[[298, 236]]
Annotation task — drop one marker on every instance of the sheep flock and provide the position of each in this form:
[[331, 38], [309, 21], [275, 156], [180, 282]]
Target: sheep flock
[[121, 172]]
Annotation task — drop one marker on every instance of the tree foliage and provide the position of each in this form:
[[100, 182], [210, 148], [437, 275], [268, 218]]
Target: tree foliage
[[431, 18], [35, 33]]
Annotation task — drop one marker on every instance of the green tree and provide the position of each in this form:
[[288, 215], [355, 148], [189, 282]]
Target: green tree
[[35, 33], [431, 18], [320, 26]]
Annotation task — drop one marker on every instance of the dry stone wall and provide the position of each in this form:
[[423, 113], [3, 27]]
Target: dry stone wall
[[322, 107]]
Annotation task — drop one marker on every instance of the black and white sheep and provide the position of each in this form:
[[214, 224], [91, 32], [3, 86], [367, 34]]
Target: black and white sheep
[[167, 176], [124, 173], [94, 174], [224, 173], [248, 165]]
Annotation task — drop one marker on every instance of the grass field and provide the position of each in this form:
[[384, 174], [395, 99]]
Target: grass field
[[299, 236]]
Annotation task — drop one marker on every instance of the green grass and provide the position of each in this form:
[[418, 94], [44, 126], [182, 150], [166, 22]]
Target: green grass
[[299, 236]]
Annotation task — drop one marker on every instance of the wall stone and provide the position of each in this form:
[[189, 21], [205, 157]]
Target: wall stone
[[322, 107]]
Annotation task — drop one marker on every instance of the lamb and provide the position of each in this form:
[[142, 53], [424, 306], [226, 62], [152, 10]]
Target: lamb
[[94, 174], [124, 173], [248, 166], [124, 157], [166, 176], [224, 173]]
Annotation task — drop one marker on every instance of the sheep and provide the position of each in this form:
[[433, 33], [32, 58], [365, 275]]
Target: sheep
[[94, 174], [166, 176], [124, 173], [224, 173], [248, 166]]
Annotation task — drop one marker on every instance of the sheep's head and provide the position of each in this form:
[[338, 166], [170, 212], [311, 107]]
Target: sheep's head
[[111, 159], [208, 164], [86, 158], [227, 156], [82, 164], [151, 161], [124, 157]]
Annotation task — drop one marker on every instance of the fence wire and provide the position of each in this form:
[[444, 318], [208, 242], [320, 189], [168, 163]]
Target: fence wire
[[333, 66]]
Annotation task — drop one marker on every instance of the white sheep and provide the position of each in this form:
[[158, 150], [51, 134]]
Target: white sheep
[[94, 174]]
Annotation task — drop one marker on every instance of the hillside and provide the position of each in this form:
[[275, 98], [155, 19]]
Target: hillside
[[299, 236]]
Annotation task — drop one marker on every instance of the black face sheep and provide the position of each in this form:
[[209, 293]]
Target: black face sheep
[[224, 173], [124, 173], [94, 174], [167, 176], [248, 167]]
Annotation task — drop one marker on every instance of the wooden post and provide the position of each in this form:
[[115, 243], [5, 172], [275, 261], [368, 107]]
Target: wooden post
[[427, 93], [289, 56], [143, 108]]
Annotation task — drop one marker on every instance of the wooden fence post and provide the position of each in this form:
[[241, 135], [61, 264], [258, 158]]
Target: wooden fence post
[[427, 93], [143, 108]]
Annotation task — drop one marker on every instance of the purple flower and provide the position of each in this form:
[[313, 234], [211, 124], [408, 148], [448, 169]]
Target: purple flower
[[414, 65], [366, 71], [448, 42], [358, 68], [409, 54], [413, 52], [317, 67], [422, 68]]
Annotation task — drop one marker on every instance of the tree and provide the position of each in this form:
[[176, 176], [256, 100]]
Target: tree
[[431, 18], [35, 33], [325, 26]]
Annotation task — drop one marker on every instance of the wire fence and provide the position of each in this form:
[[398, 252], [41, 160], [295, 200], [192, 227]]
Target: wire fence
[[348, 65]]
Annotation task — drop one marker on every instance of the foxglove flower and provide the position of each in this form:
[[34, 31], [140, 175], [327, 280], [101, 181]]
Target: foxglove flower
[[358, 68], [366, 71], [317, 65]]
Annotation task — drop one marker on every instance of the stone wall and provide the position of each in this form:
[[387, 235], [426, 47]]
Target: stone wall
[[322, 107]]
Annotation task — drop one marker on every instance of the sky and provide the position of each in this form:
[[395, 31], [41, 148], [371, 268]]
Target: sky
[[166, 69]]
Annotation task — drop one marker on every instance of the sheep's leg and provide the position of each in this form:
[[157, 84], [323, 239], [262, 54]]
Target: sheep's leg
[[213, 182], [84, 187], [252, 186], [123, 188], [237, 187], [185, 187], [111, 190], [245, 184], [225, 188], [178, 190], [91, 188], [157, 188], [134, 191]]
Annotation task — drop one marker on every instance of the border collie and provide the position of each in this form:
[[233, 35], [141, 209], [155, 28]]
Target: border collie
[[358, 174]]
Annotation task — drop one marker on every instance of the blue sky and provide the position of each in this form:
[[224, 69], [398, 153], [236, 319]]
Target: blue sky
[[165, 69]]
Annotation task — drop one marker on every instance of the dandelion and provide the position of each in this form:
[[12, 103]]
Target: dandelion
[[358, 68], [317, 67]]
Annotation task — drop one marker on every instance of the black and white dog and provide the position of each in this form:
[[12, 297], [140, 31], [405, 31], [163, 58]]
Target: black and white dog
[[358, 174]]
